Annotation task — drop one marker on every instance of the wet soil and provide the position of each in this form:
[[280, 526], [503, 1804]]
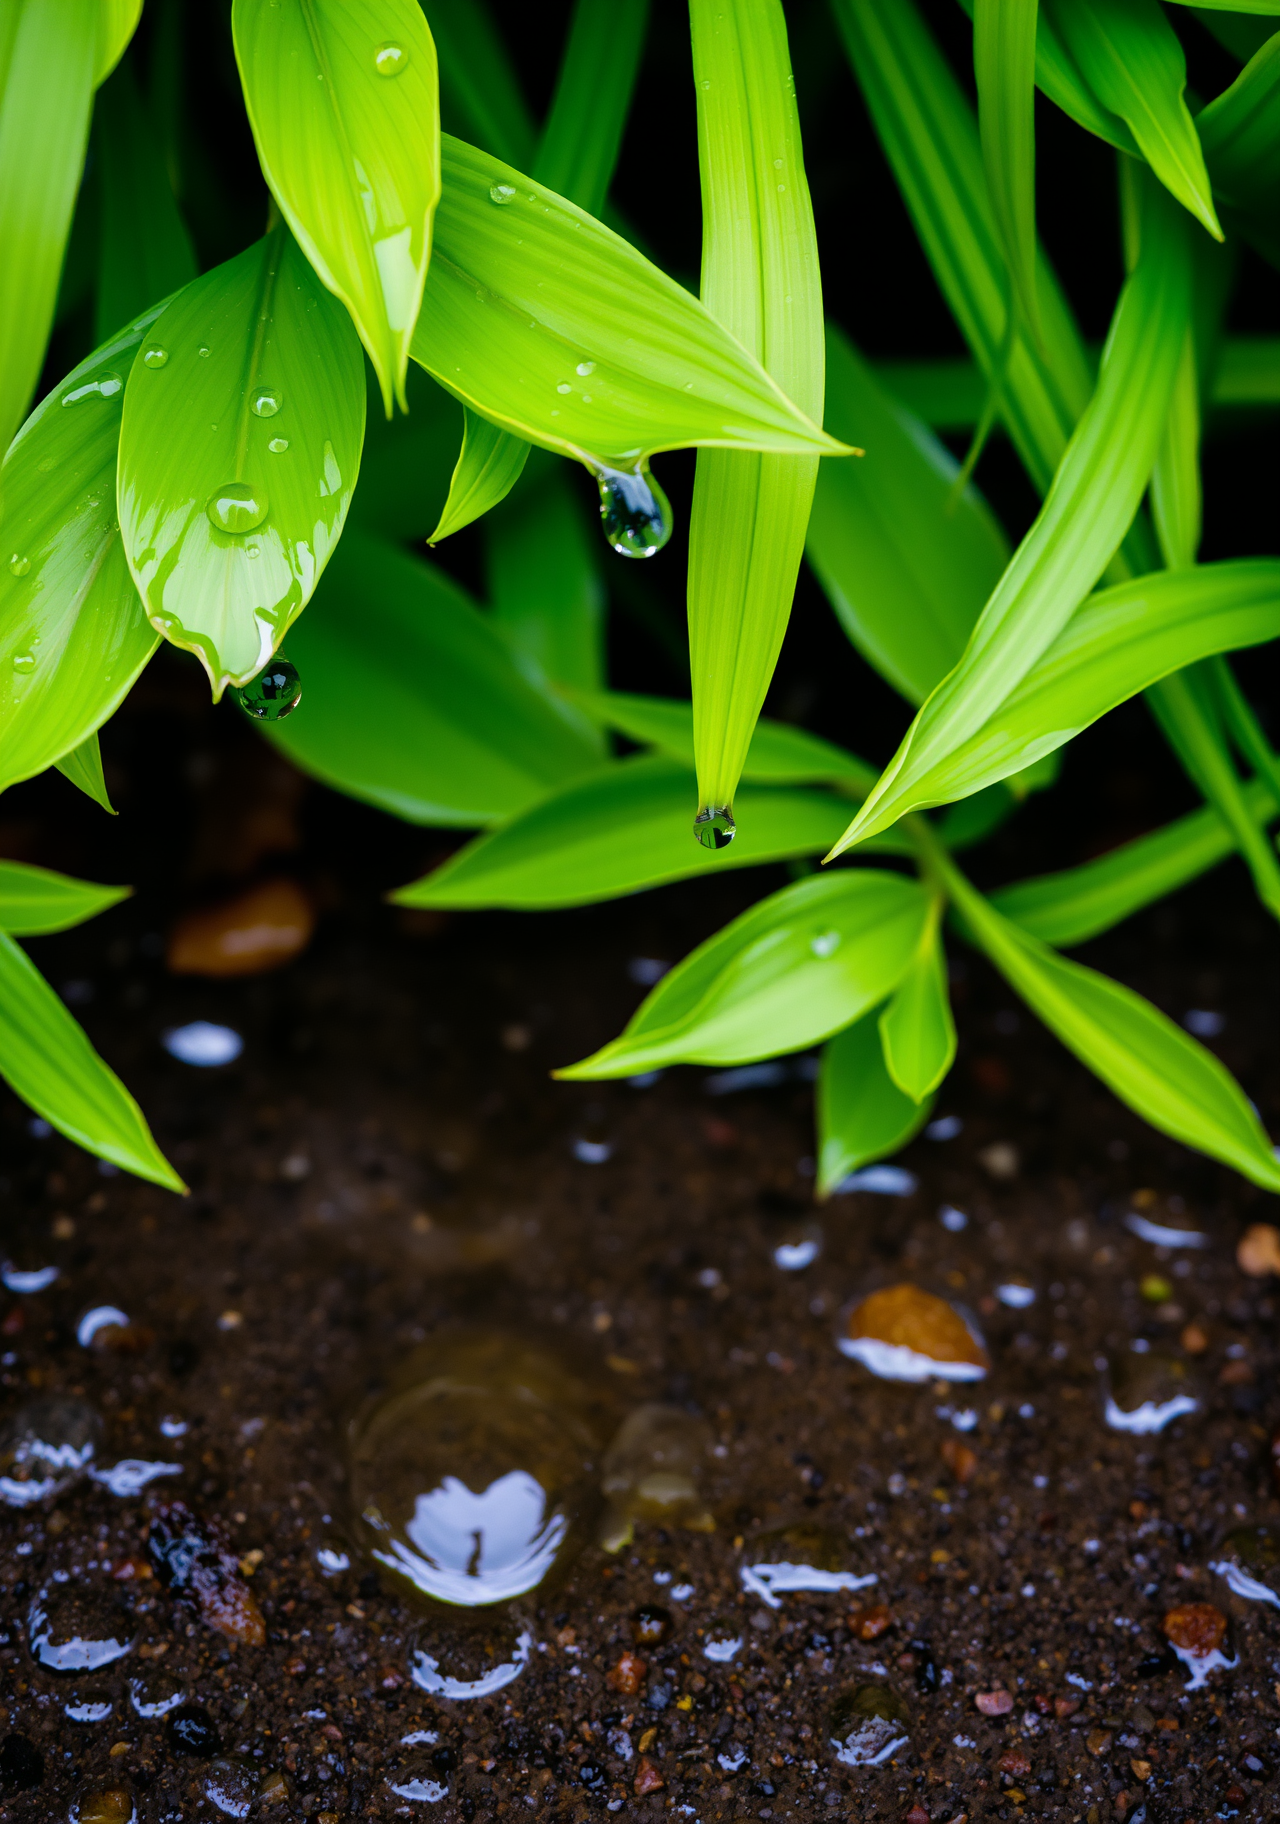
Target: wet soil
[[389, 1162]]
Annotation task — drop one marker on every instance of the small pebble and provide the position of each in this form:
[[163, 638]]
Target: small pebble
[[1000, 1160], [648, 1778], [870, 1623], [1196, 1628], [191, 1730], [650, 1624], [1258, 1251], [259, 930], [109, 1805], [627, 1675], [994, 1703], [959, 1459]]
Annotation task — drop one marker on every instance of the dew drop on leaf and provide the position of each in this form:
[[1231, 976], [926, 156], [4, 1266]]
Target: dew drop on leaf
[[714, 828], [635, 512], [236, 506], [19, 564], [586, 367], [502, 193], [390, 59], [203, 351], [102, 388], [274, 694], [24, 661], [278, 445], [265, 401], [155, 356]]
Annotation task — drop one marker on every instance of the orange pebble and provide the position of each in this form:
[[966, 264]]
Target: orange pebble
[[959, 1459], [648, 1778], [263, 928], [908, 1317], [1196, 1627]]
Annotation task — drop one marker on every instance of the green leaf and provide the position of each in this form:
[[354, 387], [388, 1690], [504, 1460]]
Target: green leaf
[[542, 569], [779, 753], [616, 832], [479, 90], [1242, 29], [862, 1114], [1138, 1052], [48, 1061], [83, 767], [144, 250], [48, 53], [262, 433], [345, 109], [760, 279], [1240, 133], [36, 901], [1175, 479], [406, 463], [583, 134], [917, 1031], [794, 969], [489, 466], [1131, 58], [905, 566], [1241, 723], [412, 701], [1004, 61], [525, 292], [1089, 507], [73, 634], [1063, 81], [117, 22]]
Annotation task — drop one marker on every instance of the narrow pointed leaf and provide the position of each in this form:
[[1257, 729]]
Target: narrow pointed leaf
[[48, 55], [1240, 133], [489, 466], [906, 567], [1004, 61], [862, 1113], [344, 104], [73, 634], [760, 279], [615, 832], [411, 700], [1151, 1064], [83, 767], [1241, 723], [1062, 80], [1094, 496], [917, 1031], [36, 901], [1175, 480], [794, 969], [261, 432], [540, 318], [48, 1061], [144, 252], [542, 566], [117, 22], [583, 134]]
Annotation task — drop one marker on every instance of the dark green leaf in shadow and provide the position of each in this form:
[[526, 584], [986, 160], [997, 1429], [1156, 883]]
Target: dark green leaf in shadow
[[862, 1114], [144, 250]]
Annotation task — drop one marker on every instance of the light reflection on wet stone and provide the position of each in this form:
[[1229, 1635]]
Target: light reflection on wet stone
[[868, 1725], [903, 1333]]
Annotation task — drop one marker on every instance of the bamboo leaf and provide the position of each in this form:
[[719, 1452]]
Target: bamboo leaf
[[145, 252], [615, 832], [543, 320], [344, 104], [905, 567], [917, 1031], [237, 464], [489, 466], [36, 901], [760, 279], [406, 462], [542, 570], [413, 702], [117, 22], [48, 1061], [1240, 133], [83, 767], [790, 971], [1089, 507], [73, 633], [1175, 479], [862, 1114], [1004, 61]]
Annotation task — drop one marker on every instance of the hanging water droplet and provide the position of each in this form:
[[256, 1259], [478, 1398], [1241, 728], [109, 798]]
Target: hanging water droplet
[[715, 828], [237, 506], [19, 564], [502, 193], [155, 356], [103, 387], [278, 445], [265, 401], [635, 511], [274, 694], [390, 59], [24, 661]]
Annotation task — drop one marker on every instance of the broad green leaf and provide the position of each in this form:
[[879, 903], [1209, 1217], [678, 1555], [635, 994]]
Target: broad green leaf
[[412, 701], [49, 50], [144, 250], [760, 279], [542, 570], [48, 1061], [406, 462], [779, 753], [73, 634], [488, 467], [1240, 133], [862, 1114], [83, 767], [794, 969], [1004, 62], [1132, 60], [1150, 1063], [1076, 904], [540, 318], [239, 450], [479, 90], [1119, 642], [36, 901], [345, 109], [117, 22], [616, 832], [917, 1031], [580, 142], [906, 567], [1094, 496]]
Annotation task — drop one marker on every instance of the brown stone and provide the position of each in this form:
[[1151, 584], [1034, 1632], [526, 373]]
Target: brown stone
[[1141, 1769], [1258, 1250], [1014, 1762], [870, 1623], [1098, 1741], [648, 1778], [627, 1676], [1194, 1338], [959, 1459], [1196, 1628], [109, 1805], [907, 1317], [994, 1703], [1064, 1707], [259, 930]]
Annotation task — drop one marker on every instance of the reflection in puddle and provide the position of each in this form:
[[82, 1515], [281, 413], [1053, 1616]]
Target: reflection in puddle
[[651, 1474], [465, 1666], [906, 1334], [1148, 1391], [74, 1630], [45, 1448], [722, 1641], [1248, 1555], [1163, 1234], [868, 1725], [131, 1475], [798, 1558]]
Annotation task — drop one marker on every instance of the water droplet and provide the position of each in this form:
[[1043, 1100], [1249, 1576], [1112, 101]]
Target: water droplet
[[635, 511], [715, 829], [825, 944], [265, 401], [154, 356], [203, 1044], [231, 1788], [105, 386], [45, 1448], [868, 1725], [502, 193], [25, 1280], [722, 1640], [74, 1630], [191, 1730], [253, 551], [1148, 1390], [203, 351], [903, 1333], [650, 1474], [564, 387], [276, 691], [471, 1662], [1250, 1562], [237, 507], [24, 661], [156, 1693], [278, 445], [586, 367], [89, 1710], [19, 565], [390, 59], [469, 1478]]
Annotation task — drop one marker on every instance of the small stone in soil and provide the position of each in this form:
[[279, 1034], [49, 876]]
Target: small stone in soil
[[627, 1675], [994, 1703], [904, 1333], [870, 1623], [109, 1805], [1258, 1250], [650, 1624], [959, 1459], [1196, 1628], [191, 1730], [259, 930], [648, 1778], [867, 1725], [193, 1559], [45, 1448], [1015, 1763]]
